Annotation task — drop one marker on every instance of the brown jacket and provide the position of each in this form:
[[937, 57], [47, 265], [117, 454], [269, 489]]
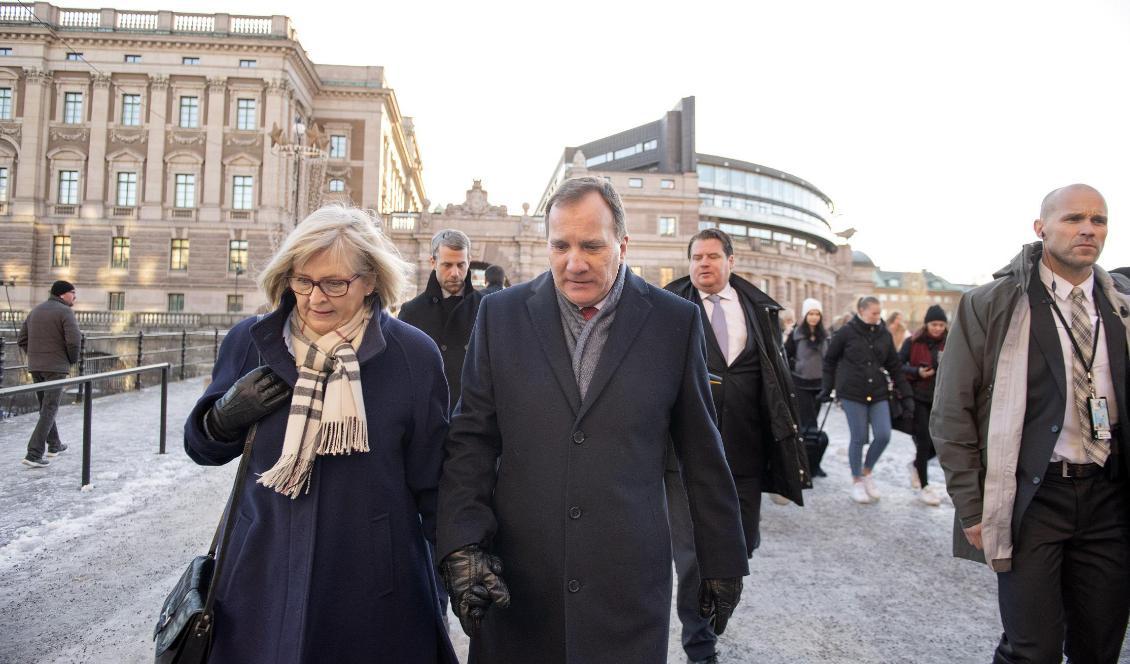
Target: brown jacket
[[50, 337]]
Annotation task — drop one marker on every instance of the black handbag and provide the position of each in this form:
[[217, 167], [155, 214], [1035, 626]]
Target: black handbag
[[184, 629], [902, 408]]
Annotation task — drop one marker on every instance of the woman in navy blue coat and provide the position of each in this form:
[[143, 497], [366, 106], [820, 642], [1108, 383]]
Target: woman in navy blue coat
[[328, 558]]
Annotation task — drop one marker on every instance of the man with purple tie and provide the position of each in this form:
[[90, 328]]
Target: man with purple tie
[[757, 413]]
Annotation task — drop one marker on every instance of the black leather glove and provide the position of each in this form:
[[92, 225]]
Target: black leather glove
[[824, 396], [249, 400], [471, 577], [717, 599]]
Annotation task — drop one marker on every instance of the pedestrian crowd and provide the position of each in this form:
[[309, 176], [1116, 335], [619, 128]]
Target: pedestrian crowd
[[539, 453]]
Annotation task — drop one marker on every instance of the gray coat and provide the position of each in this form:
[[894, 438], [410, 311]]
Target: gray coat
[[50, 337]]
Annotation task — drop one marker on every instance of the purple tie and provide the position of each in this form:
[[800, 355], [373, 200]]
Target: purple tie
[[718, 322]]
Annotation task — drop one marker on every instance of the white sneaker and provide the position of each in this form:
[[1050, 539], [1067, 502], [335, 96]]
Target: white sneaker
[[926, 496], [869, 487], [915, 483], [859, 493]]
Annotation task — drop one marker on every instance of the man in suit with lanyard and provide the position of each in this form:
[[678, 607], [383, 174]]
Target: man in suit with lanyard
[[752, 391], [1026, 420]]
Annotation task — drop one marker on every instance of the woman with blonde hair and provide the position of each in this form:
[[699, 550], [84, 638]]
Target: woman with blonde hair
[[328, 559], [896, 325]]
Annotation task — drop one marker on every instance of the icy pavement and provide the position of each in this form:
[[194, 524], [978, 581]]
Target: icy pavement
[[82, 573]]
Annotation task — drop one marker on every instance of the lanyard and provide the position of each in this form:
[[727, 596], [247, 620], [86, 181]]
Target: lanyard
[[1075, 344]]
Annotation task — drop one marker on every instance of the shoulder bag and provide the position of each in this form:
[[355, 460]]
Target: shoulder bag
[[184, 629], [901, 407]]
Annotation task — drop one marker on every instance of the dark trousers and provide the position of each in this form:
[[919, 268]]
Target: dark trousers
[[45, 436], [1069, 587], [807, 408], [923, 443], [698, 637]]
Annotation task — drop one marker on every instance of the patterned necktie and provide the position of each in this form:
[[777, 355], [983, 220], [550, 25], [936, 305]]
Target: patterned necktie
[[718, 322], [1097, 450], [589, 312]]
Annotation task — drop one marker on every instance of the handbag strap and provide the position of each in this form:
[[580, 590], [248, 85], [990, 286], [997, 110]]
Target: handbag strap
[[227, 522]]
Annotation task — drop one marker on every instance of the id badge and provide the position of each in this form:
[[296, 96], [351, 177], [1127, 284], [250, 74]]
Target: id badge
[[1100, 418]]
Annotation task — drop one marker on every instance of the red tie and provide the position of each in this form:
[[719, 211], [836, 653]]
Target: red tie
[[589, 312]]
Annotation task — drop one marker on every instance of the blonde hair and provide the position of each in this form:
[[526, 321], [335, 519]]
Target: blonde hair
[[351, 236]]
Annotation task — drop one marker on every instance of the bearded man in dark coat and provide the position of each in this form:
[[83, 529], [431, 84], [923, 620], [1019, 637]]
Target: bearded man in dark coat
[[552, 486], [446, 310]]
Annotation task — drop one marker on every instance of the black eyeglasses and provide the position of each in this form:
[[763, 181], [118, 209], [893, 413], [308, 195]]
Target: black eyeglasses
[[331, 287]]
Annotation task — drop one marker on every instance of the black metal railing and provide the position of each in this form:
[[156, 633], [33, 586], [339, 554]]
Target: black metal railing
[[190, 353], [87, 383]]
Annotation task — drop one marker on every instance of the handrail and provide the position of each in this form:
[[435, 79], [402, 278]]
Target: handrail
[[88, 399]]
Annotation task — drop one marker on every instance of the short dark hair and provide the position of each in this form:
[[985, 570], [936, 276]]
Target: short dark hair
[[712, 234], [866, 301], [452, 239], [574, 189], [495, 275]]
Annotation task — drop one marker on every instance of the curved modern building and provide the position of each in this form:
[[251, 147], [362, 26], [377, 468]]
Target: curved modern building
[[783, 241]]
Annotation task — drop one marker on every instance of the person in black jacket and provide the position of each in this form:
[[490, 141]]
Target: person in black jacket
[[805, 346], [757, 414], [496, 279], [446, 310], [860, 362], [919, 356]]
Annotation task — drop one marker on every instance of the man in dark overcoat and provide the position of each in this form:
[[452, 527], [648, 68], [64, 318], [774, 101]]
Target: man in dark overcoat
[[446, 310], [757, 413], [553, 475]]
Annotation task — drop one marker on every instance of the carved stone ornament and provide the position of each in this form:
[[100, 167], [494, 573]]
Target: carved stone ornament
[[186, 138], [338, 171], [129, 136], [101, 81], [242, 141], [13, 129], [279, 85], [217, 84], [70, 135], [37, 76], [476, 204], [157, 82]]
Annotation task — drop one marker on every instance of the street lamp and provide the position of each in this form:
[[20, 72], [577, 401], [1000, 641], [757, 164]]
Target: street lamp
[[309, 142]]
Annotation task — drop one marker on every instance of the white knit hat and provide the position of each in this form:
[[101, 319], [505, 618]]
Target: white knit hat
[[811, 304]]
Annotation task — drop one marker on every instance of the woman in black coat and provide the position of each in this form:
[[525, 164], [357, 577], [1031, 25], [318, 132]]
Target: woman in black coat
[[328, 559], [919, 355], [805, 346], [860, 362]]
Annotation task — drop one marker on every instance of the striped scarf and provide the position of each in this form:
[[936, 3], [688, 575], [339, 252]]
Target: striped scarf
[[327, 411]]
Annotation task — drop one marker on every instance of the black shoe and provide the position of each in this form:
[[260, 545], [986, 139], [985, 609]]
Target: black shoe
[[35, 462], [819, 472], [56, 452], [713, 659]]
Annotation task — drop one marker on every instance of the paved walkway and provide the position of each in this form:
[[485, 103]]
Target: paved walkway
[[83, 572]]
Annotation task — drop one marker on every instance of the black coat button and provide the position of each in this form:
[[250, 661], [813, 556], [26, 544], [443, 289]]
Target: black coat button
[[574, 512], [574, 586], [443, 347], [1035, 480], [1055, 428], [578, 437]]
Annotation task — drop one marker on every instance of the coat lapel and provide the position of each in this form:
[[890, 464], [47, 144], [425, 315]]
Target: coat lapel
[[1115, 332], [1044, 331], [631, 312], [546, 319]]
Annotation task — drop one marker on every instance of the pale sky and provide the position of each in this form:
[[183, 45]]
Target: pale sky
[[936, 128]]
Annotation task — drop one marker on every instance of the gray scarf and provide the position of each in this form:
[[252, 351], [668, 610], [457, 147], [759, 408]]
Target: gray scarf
[[585, 339]]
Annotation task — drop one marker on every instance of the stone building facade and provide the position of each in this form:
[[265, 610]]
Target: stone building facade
[[911, 293], [155, 158]]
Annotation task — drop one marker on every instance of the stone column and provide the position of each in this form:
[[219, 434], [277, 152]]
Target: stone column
[[214, 151], [154, 184], [274, 184], [31, 186], [96, 160]]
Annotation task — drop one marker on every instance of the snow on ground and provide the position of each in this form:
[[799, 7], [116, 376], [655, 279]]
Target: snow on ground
[[82, 574]]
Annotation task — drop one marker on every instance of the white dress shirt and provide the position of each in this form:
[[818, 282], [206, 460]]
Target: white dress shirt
[[1069, 445], [735, 320]]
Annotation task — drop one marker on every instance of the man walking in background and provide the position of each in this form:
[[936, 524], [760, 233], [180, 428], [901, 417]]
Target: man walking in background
[[49, 337], [446, 310], [757, 414], [496, 278], [1026, 420]]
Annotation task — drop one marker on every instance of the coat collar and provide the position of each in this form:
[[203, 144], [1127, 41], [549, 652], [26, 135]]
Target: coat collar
[[267, 333], [546, 319]]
